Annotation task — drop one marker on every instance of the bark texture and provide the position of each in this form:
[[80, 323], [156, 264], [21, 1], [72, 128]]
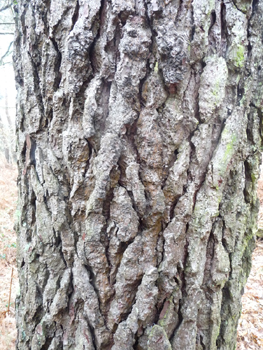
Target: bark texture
[[138, 132]]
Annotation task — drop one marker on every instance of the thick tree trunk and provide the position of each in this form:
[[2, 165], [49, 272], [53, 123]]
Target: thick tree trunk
[[139, 130]]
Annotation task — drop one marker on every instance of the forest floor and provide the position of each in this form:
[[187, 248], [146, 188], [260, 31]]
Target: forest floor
[[250, 329], [8, 202]]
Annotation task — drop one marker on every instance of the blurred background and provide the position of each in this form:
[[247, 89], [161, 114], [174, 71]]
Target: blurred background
[[8, 176], [7, 82]]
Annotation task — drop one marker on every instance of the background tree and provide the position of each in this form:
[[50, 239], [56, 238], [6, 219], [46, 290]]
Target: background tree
[[139, 130], [7, 88]]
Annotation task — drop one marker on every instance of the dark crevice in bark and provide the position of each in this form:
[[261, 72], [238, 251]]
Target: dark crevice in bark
[[255, 5], [240, 92], [23, 153], [130, 193], [180, 320], [61, 253], [37, 89], [92, 281], [192, 35], [133, 287], [112, 46], [93, 336], [260, 115], [180, 10], [22, 263], [103, 15], [75, 15], [57, 65], [210, 252], [125, 245], [66, 9], [33, 208], [124, 15], [197, 108], [112, 277], [88, 161], [192, 31], [97, 27], [173, 206], [45, 17], [224, 35], [235, 4], [225, 311], [202, 342], [211, 37], [160, 242], [92, 55], [182, 284], [142, 81], [182, 269], [169, 166], [105, 240], [249, 46], [47, 344], [224, 241], [202, 177], [32, 155], [212, 21], [136, 344], [149, 21], [247, 188]]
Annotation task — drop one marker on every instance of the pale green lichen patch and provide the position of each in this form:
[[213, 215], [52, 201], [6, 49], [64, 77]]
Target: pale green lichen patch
[[156, 67], [240, 56], [237, 49], [158, 339], [229, 151], [225, 153]]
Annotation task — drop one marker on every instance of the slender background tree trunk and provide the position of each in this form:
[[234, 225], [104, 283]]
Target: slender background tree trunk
[[139, 131]]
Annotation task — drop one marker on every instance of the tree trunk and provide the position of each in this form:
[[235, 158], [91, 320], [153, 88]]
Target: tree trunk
[[139, 134]]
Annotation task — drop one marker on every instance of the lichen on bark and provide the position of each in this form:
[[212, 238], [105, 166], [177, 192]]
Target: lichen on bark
[[138, 136]]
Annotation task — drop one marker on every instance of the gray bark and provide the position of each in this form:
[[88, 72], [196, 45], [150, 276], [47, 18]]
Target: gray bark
[[139, 134]]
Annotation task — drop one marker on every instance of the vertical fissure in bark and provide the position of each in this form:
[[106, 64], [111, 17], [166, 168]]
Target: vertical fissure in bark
[[93, 336], [240, 92], [212, 20], [223, 25], [75, 16], [255, 5], [57, 72], [37, 89]]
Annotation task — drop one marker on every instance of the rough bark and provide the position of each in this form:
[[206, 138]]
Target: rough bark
[[139, 130]]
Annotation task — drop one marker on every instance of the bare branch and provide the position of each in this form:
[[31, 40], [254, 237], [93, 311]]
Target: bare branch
[[5, 7], [8, 52]]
